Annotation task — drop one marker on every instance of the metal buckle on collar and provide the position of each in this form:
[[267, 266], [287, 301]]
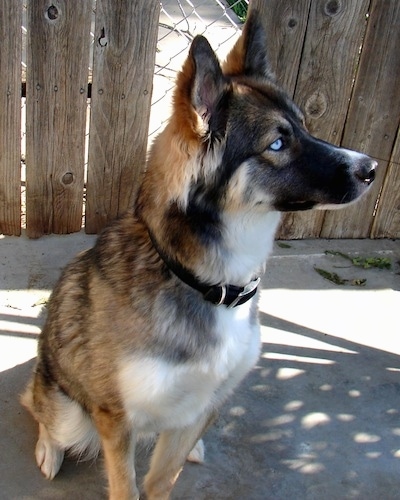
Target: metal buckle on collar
[[248, 289], [217, 295], [223, 295]]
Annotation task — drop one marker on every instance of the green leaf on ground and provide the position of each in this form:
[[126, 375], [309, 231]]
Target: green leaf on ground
[[338, 280], [364, 262], [368, 262], [333, 277]]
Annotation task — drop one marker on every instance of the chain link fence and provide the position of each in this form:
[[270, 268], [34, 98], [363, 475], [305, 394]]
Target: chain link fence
[[180, 22]]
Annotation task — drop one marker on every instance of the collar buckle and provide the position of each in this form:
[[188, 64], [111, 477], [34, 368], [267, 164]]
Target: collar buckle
[[223, 295], [228, 295], [248, 291]]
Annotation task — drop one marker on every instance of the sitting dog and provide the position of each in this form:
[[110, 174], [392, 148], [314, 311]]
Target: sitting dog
[[150, 330]]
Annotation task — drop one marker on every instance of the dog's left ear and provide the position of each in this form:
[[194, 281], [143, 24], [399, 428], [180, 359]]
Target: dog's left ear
[[208, 81], [249, 55]]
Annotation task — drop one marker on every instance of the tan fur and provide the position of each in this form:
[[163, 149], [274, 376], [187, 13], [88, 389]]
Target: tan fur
[[234, 62], [173, 160]]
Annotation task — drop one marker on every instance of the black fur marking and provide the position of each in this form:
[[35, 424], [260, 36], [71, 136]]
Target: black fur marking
[[200, 219], [44, 369], [219, 119], [194, 320], [256, 58]]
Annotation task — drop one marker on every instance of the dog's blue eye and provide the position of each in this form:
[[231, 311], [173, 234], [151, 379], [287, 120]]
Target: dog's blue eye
[[276, 145]]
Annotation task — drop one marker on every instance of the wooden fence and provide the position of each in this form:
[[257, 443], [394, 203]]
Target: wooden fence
[[340, 60]]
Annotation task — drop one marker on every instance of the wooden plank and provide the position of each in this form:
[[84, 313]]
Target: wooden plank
[[285, 24], [387, 220], [374, 113], [331, 50], [124, 56], [57, 75], [10, 117]]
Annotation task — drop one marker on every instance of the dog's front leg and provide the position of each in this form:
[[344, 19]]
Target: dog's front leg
[[169, 456], [118, 442]]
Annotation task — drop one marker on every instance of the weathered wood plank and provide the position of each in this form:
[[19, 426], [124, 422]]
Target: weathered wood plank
[[285, 24], [10, 117], [374, 112], [387, 220], [124, 55], [57, 75], [331, 50]]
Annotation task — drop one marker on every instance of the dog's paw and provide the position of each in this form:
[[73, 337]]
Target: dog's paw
[[197, 453], [49, 456]]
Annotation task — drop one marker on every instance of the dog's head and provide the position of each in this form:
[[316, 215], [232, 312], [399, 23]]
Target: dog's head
[[236, 142]]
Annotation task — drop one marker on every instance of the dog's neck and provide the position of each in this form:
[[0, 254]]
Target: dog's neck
[[218, 294], [243, 250], [235, 258]]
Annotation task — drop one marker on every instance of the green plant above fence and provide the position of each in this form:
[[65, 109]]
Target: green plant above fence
[[240, 8]]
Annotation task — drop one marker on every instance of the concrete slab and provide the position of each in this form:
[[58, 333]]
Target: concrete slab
[[319, 417]]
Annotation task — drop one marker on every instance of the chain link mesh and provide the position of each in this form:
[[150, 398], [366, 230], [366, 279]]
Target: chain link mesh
[[180, 21]]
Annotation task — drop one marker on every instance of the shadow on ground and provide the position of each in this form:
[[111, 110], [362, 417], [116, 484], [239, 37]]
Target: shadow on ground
[[306, 423]]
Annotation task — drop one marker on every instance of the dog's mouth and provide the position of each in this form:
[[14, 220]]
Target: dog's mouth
[[295, 206]]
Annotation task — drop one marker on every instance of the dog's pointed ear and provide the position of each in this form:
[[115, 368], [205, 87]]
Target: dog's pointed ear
[[249, 55], [208, 81], [256, 61]]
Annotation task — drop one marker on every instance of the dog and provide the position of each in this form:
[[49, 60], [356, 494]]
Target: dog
[[152, 329]]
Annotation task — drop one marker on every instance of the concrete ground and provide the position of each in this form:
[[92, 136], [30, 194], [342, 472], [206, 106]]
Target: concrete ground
[[318, 418]]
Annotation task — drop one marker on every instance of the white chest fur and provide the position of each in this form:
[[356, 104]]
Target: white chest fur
[[159, 394]]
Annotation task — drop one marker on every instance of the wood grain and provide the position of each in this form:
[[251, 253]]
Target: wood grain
[[323, 89], [387, 220], [373, 117], [57, 76], [10, 117], [285, 24], [124, 55]]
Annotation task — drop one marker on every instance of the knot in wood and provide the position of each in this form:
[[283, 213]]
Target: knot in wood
[[102, 38], [52, 12], [316, 105], [67, 178], [332, 7]]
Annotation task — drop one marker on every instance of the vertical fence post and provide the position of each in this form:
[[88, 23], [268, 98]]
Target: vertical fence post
[[285, 24], [124, 55], [57, 76], [324, 83], [10, 117], [373, 117], [387, 219]]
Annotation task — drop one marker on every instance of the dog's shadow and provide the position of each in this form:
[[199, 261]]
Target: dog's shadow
[[305, 423]]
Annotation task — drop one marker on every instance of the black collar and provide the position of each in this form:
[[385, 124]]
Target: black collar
[[228, 295]]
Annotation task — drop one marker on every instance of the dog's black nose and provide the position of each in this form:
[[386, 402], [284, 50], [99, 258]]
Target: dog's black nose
[[366, 171]]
